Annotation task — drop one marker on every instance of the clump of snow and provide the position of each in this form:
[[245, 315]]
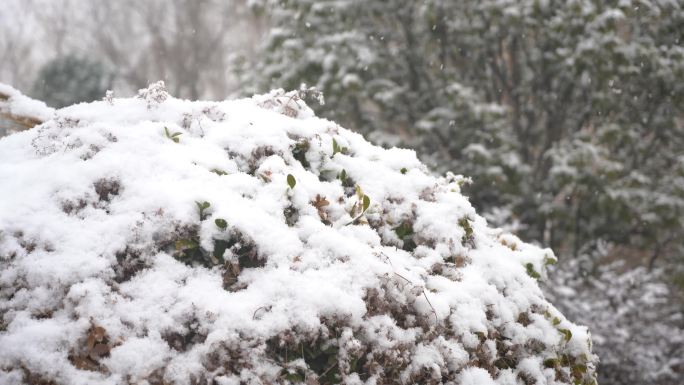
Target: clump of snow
[[156, 240], [13, 102], [19, 112]]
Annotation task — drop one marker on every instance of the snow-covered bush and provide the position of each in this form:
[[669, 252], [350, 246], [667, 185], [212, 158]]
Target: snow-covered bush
[[155, 240]]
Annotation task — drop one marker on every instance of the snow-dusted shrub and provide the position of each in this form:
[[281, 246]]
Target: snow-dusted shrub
[[155, 240]]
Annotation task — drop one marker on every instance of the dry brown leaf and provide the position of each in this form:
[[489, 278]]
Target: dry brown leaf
[[319, 203], [99, 350]]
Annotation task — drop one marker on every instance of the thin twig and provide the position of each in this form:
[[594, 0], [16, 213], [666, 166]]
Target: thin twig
[[259, 308], [430, 303], [414, 285], [404, 278], [327, 370]]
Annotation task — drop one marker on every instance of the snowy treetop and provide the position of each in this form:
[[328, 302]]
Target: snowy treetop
[[157, 240]]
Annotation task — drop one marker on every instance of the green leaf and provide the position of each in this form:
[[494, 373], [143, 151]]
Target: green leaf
[[468, 237], [566, 333], [299, 152], [201, 206], [404, 170], [352, 364], [404, 230], [366, 203], [291, 181], [221, 223], [556, 321], [295, 377], [359, 192], [173, 136], [337, 148], [218, 172], [220, 247], [343, 175], [551, 362], [579, 369], [184, 244], [549, 260], [565, 360], [531, 272]]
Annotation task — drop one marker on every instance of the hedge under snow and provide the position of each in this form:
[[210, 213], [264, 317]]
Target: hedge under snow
[[153, 240]]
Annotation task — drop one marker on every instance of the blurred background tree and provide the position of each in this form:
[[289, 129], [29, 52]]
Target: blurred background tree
[[568, 115], [69, 80]]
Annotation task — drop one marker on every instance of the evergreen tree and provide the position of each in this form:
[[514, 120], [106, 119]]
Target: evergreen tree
[[71, 79]]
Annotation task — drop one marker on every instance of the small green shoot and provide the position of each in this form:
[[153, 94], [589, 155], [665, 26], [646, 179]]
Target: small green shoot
[[359, 192], [342, 176], [468, 239], [578, 370], [551, 362], [294, 377], [299, 152], [363, 198], [404, 230], [403, 170], [291, 181], [338, 149], [218, 172], [567, 334], [188, 250], [202, 207], [550, 260], [405, 234], [186, 244], [221, 223], [366, 203], [531, 272], [364, 206], [174, 136]]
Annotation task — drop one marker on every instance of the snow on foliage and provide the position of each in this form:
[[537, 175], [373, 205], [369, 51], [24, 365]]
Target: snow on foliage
[[156, 240]]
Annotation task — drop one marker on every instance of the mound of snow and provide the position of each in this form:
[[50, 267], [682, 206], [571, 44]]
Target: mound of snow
[[161, 241]]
